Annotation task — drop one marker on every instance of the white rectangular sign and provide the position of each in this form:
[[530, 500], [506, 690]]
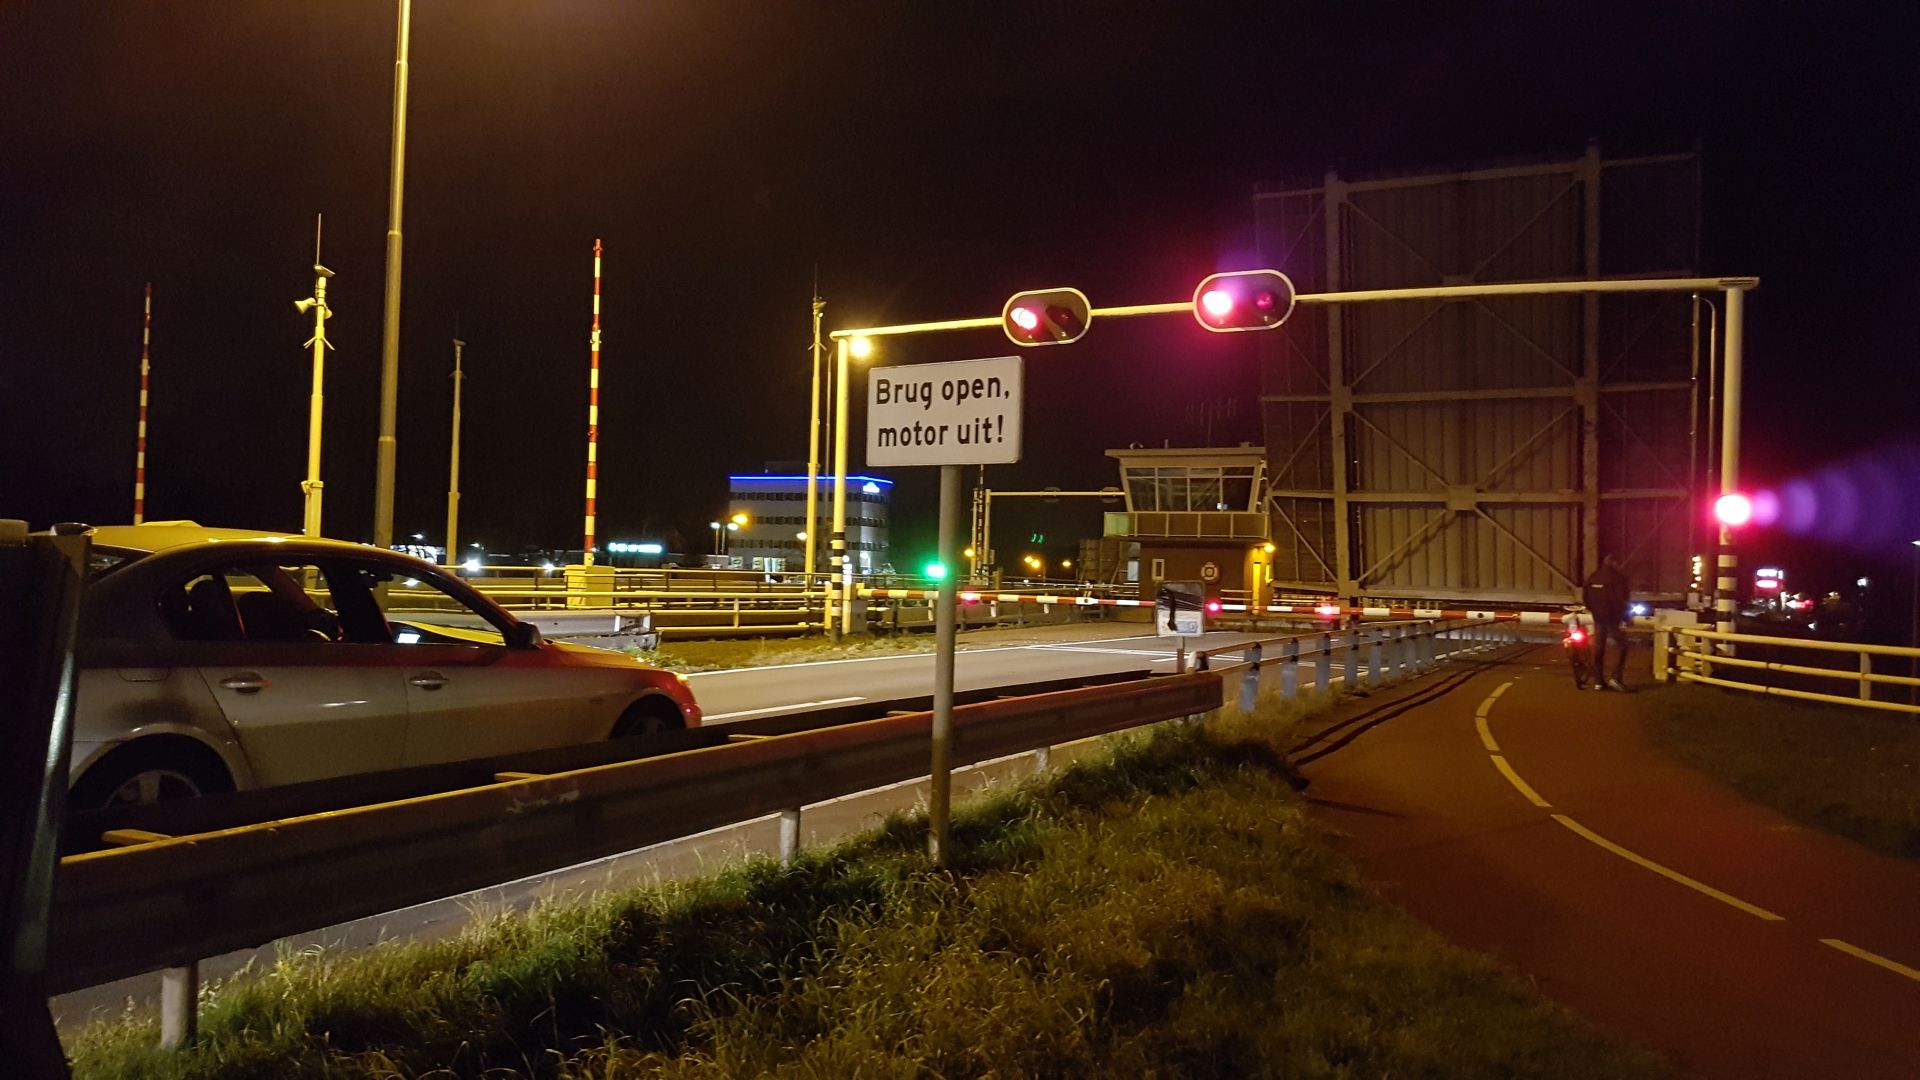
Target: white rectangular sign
[[966, 412]]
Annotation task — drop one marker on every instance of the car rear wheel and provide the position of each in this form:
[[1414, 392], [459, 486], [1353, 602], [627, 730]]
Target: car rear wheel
[[649, 716], [137, 774]]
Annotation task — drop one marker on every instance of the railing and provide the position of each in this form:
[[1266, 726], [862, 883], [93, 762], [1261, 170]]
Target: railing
[[167, 901], [1697, 655], [1373, 656]]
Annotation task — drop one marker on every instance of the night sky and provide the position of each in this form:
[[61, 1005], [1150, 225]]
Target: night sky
[[927, 159]]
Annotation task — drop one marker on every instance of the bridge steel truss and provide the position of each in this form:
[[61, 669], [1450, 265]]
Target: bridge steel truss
[[1485, 447]]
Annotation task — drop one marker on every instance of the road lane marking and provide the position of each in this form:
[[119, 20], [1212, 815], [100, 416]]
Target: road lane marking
[[782, 708], [1667, 872], [1486, 736], [1142, 653], [1872, 958], [1513, 778]]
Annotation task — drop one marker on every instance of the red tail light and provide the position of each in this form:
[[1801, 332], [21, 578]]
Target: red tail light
[[1576, 636]]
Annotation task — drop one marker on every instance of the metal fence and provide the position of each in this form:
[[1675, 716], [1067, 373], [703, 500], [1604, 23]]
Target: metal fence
[[1783, 667]]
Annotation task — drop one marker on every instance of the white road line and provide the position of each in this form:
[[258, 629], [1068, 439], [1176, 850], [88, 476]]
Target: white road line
[[1872, 958], [782, 708], [1669, 873], [1141, 653], [895, 656]]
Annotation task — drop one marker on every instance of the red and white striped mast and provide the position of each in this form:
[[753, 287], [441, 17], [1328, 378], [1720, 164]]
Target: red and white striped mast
[[593, 413], [140, 439]]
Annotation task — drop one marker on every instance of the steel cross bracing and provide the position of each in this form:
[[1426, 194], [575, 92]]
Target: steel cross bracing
[[1455, 449]]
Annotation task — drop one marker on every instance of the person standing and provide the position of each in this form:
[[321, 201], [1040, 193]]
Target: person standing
[[1605, 595]]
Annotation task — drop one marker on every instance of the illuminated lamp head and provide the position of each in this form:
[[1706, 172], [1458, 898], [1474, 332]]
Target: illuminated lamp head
[[1733, 509]]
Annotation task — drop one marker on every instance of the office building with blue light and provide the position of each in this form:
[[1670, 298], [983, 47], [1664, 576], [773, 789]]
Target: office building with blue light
[[776, 509]]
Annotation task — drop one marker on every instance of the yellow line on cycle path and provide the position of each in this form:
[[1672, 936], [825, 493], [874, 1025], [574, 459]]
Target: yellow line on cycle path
[[1480, 717], [1532, 796]]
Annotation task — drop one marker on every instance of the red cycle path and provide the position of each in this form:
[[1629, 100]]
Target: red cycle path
[[1426, 813]]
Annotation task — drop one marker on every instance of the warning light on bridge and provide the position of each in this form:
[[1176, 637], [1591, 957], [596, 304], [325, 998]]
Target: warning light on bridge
[[937, 571], [1046, 316], [1733, 510], [1243, 300]]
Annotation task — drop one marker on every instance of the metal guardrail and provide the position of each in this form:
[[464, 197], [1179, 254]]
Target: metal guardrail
[[1374, 655], [1691, 654], [169, 902]]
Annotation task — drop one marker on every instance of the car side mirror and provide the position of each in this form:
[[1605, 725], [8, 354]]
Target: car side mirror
[[523, 635]]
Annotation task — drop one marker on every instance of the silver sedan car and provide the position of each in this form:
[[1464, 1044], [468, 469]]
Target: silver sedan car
[[216, 659]]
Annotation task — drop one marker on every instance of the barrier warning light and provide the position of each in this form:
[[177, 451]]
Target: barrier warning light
[[1733, 509], [1046, 316], [1243, 300]]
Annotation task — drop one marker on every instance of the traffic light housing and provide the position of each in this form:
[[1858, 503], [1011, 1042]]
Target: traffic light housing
[[1046, 316], [1243, 300]]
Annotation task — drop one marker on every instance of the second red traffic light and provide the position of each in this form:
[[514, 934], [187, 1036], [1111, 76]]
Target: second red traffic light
[[1243, 300]]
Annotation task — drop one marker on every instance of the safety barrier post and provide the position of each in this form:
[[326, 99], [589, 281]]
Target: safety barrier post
[[789, 837], [1250, 683], [1290, 670], [1042, 759], [1400, 664], [179, 1006], [1323, 665], [1866, 671], [1375, 661]]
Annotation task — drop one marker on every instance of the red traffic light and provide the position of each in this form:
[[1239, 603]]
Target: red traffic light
[[1243, 300], [1046, 316], [1733, 509]]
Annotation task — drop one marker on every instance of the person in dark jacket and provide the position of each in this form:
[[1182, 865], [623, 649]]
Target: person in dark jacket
[[1605, 595]]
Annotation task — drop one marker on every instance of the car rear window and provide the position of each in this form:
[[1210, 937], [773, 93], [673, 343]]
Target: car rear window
[[105, 560]]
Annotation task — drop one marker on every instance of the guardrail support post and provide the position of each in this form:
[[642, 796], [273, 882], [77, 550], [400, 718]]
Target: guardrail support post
[[1042, 759], [179, 1006], [1290, 670], [1375, 663], [789, 837], [1323, 665], [1250, 682], [1866, 670], [1399, 653]]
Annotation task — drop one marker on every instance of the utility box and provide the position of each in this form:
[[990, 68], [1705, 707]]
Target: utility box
[[589, 586]]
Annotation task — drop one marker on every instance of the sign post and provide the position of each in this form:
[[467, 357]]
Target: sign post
[[955, 414]]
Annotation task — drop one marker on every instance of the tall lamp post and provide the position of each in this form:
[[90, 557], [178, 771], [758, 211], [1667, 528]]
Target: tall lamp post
[[316, 401], [813, 459], [453, 461], [390, 326], [840, 621]]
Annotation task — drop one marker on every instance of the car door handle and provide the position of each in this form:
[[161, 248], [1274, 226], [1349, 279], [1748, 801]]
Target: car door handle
[[428, 680], [246, 682]]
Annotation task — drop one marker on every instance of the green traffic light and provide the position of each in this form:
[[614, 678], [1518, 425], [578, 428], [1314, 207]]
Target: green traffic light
[[937, 571]]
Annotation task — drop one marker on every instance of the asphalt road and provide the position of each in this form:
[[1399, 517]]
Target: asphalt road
[[1038, 655], [1026, 656], [1526, 819]]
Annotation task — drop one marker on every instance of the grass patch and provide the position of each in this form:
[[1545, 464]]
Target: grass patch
[[1165, 909], [1850, 771]]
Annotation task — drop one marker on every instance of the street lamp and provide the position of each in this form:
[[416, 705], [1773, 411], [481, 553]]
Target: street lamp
[[845, 349], [715, 526], [386, 446], [316, 402]]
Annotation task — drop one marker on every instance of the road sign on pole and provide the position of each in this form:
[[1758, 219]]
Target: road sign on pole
[[955, 414], [966, 412]]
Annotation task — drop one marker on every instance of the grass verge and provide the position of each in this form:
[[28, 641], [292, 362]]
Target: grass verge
[[1163, 909], [1850, 771]]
